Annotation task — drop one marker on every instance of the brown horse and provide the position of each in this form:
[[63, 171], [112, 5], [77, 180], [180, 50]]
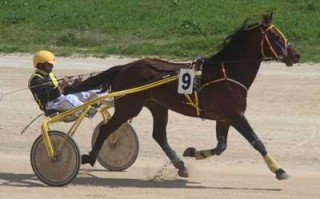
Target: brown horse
[[220, 93]]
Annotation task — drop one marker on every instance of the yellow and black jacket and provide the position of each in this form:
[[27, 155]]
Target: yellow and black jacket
[[44, 87]]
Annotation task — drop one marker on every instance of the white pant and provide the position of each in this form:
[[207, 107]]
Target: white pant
[[66, 102]]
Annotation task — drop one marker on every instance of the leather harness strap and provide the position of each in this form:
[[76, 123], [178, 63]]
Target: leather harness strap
[[195, 102], [225, 78]]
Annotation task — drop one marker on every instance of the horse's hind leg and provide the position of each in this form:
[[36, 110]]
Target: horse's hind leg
[[222, 129], [160, 120], [122, 113], [105, 131], [240, 123]]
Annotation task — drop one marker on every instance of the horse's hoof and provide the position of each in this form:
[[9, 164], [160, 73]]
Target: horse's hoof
[[85, 159], [281, 174], [183, 173], [189, 152]]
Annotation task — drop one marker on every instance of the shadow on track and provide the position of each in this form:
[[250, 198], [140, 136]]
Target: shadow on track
[[30, 180]]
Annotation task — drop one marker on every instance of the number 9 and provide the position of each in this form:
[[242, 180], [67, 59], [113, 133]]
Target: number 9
[[186, 80]]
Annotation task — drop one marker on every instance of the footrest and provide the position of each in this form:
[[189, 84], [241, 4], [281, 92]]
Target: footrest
[[54, 112], [51, 112]]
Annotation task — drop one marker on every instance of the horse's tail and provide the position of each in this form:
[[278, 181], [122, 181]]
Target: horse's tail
[[100, 81]]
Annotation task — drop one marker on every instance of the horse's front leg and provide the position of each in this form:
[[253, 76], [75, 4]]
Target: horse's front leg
[[240, 123], [222, 129]]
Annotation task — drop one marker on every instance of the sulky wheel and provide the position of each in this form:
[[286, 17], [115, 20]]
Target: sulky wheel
[[120, 150], [66, 164]]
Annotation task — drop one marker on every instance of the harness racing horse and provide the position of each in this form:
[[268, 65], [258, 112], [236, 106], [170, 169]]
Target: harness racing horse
[[220, 93]]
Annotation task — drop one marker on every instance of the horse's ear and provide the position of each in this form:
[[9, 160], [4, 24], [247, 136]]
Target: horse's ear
[[270, 17], [266, 19]]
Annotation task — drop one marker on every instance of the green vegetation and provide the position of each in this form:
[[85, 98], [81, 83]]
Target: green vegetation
[[164, 28]]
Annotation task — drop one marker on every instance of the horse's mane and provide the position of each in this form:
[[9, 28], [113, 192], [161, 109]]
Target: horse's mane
[[234, 40], [238, 35]]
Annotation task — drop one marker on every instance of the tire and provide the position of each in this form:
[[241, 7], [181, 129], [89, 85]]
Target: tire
[[119, 155], [64, 168]]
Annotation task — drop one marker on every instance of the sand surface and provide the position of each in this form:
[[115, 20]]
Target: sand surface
[[283, 108]]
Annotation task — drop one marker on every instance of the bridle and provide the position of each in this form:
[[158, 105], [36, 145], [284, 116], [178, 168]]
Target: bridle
[[266, 38]]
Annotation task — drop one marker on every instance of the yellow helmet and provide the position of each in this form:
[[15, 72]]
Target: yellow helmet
[[43, 56]]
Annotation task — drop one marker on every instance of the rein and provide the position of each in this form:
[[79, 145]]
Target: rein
[[26, 88]]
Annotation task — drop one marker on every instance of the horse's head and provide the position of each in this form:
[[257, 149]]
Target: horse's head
[[274, 44]]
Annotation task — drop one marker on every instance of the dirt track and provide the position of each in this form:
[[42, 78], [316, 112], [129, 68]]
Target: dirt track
[[283, 108]]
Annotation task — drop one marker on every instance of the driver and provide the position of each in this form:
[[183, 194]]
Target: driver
[[48, 92]]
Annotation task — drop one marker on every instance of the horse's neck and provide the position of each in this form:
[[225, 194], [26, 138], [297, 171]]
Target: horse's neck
[[240, 64]]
